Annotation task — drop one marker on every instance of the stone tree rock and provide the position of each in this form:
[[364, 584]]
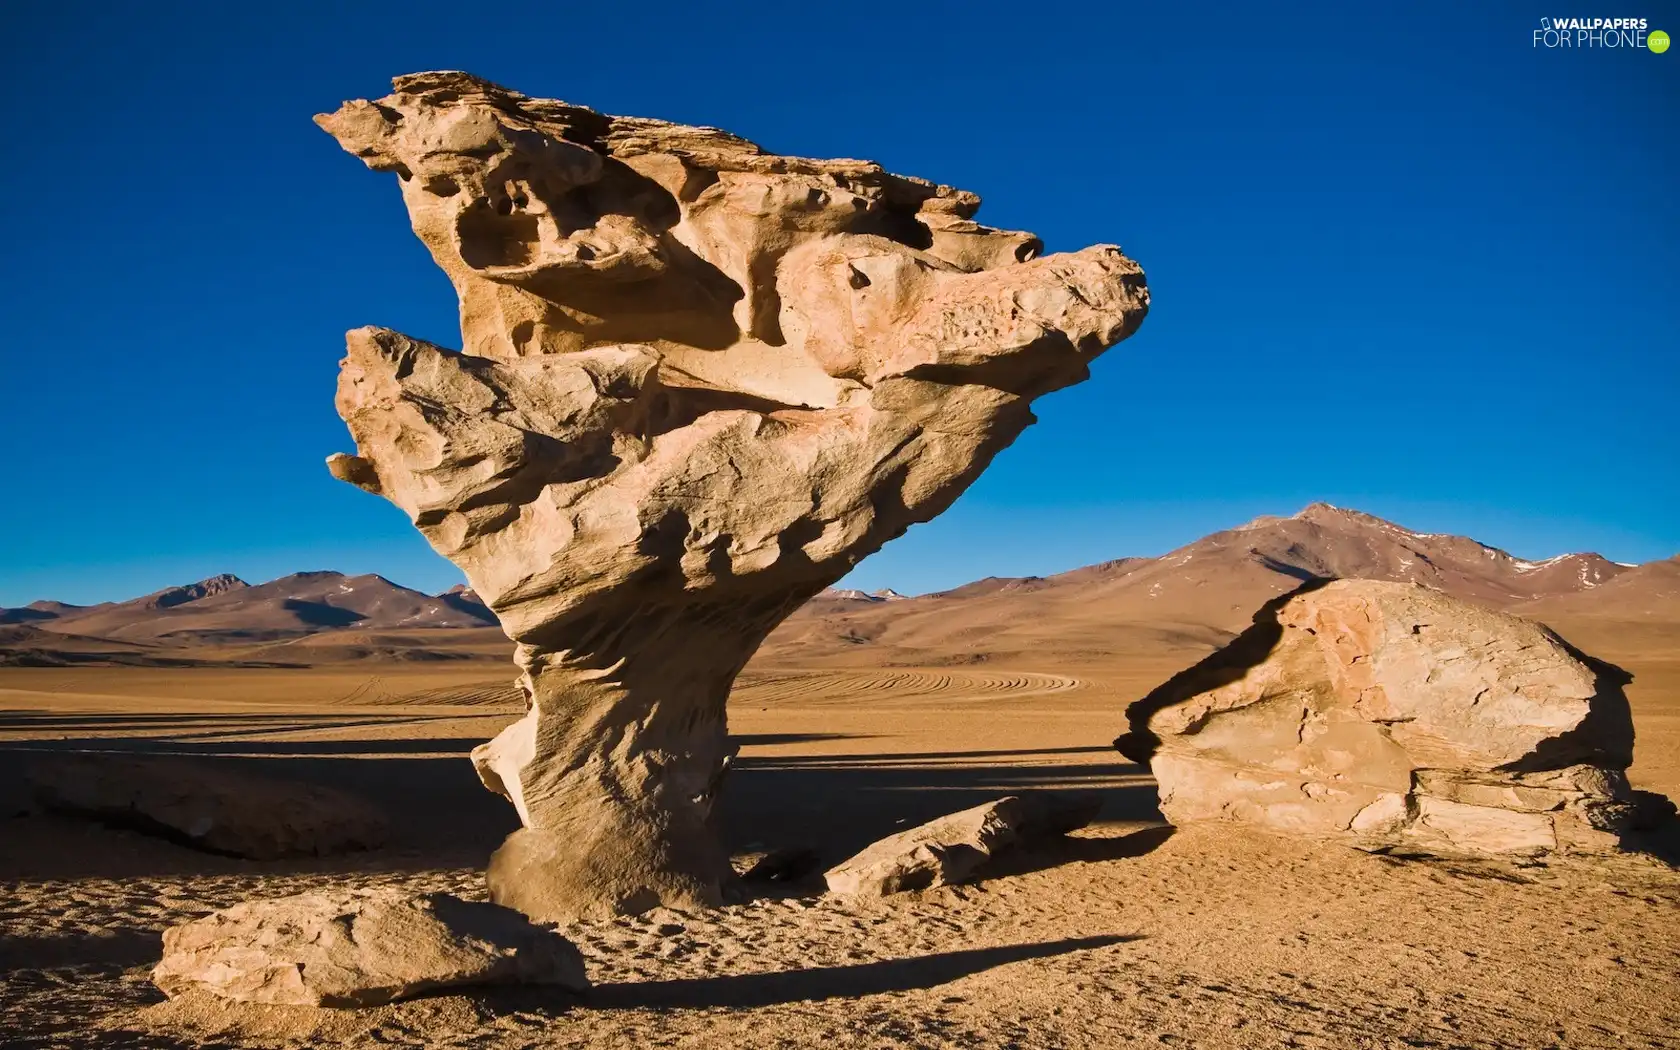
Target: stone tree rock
[[1395, 715], [699, 382], [360, 948]]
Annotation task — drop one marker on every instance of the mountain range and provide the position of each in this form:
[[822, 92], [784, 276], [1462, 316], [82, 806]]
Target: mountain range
[[1198, 596], [1192, 598], [226, 608]]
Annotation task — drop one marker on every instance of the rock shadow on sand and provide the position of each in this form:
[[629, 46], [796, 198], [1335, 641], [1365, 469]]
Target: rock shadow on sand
[[857, 799], [746, 991]]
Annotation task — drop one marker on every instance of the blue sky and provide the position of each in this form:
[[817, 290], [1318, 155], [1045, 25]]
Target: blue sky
[[1402, 260]]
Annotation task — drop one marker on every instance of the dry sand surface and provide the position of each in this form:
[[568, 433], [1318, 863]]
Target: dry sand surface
[[1126, 935]]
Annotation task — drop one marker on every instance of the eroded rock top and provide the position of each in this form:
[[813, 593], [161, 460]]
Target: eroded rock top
[[691, 367], [575, 206]]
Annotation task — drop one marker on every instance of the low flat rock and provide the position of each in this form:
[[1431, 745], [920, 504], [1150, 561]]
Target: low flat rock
[[207, 806], [954, 847], [1397, 716], [361, 948]]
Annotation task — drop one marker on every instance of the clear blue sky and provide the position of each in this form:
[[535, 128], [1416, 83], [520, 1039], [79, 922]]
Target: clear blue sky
[[1402, 261]]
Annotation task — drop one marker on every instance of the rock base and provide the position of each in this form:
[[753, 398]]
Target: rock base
[[562, 876]]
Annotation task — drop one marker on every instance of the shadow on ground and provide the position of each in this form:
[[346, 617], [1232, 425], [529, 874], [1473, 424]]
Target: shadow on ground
[[442, 816], [745, 991], [1661, 842], [119, 948], [838, 804], [1080, 849], [732, 992]]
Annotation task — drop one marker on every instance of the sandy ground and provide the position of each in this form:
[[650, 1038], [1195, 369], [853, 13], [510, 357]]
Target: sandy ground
[[1126, 935]]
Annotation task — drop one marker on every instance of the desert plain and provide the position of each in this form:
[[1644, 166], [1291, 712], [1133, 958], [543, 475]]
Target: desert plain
[[698, 383], [860, 717]]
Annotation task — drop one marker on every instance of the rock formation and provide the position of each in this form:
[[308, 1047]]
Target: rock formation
[[360, 948], [208, 806], [1394, 715], [699, 381], [955, 847]]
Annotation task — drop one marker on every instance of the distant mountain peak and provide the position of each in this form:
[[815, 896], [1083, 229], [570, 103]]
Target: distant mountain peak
[[1325, 514], [465, 599], [1329, 514], [170, 597], [854, 594], [1325, 540], [1321, 513], [850, 594], [1319, 509]]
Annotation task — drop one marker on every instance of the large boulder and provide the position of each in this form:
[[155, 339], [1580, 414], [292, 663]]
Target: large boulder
[[953, 848], [698, 382], [1394, 715], [360, 948], [208, 806]]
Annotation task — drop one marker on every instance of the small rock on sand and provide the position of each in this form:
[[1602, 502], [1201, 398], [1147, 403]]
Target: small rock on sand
[[361, 948], [952, 848]]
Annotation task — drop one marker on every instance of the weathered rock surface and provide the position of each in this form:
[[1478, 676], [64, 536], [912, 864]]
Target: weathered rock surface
[[953, 848], [699, 382], [1393, 714], [360, 948], [208, 806]]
